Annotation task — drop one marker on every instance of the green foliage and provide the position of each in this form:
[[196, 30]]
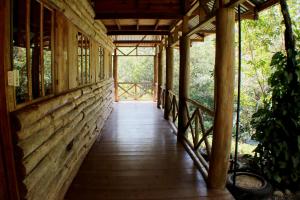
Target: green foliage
[[277, 126], [136, 69]]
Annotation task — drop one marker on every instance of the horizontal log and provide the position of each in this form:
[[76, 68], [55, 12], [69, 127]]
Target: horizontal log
[[31, 161], [28, 131]]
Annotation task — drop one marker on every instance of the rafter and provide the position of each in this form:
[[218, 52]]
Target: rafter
[[137, 24], [118, 23], [156, 24]]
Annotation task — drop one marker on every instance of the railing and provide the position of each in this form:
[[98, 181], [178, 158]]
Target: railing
[[135, 91], [162, 96], [173, 110], [198, 129]]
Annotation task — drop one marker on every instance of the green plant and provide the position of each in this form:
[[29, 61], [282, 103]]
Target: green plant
[[277, 125]]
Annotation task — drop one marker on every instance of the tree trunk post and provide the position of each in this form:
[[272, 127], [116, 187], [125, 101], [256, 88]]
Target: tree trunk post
[[169, 77], [155, 63], [224, 70], [115, 73], [184, 73], [159, 76]]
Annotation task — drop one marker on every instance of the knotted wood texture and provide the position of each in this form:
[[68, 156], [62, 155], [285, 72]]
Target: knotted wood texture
[[53, 137]]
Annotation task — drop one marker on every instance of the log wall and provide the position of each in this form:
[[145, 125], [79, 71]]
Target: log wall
[[53, 137], [53, 134]]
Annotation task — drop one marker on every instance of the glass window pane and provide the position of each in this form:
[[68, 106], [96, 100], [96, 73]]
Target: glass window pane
[[79, 38], [47, 52], [35, 9], [19, 49]]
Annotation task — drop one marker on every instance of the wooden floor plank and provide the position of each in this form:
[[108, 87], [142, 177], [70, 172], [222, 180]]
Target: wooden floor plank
[[138, 157]]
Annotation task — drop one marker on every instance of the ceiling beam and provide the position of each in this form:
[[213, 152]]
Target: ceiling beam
[[267, 4], [136, 41], [141, 28], [140, 32], [138, 9], [138, 15]]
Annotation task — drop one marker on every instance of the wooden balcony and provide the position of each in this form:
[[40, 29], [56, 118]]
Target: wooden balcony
[[137, 156]]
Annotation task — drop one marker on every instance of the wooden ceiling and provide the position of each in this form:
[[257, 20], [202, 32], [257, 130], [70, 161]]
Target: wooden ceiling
[[140, 17], [164, 17]]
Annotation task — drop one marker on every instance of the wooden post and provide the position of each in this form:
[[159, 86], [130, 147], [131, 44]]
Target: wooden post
[[116, 76], [169, 77], [155, 77], [159, 76], [184, 72], [224, 69], [8, 178]]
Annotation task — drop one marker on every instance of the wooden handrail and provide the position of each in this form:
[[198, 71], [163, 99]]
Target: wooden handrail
[[140, 83], [203, 108], [136, 90], [195, 131]]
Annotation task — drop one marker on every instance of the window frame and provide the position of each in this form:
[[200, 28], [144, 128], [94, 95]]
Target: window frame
[[83, 77], [28, 55]]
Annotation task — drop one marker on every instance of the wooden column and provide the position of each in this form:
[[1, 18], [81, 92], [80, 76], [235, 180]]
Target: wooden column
[[8, 178], [155, 63], [159, 76], [115, 74], [184, 73], [169, 76], [224, 70]]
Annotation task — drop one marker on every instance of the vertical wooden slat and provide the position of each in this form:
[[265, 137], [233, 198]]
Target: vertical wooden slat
[[196, 139], [29, 76], [224, 68], [184, 72], [42, 50]]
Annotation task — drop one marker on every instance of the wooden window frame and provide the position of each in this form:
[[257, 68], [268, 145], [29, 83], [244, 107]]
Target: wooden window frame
[[85, 54], [28, 54], [101, 62]]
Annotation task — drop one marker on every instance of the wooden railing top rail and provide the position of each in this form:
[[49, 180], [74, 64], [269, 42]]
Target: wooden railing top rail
[[195, 103], [144, 82], [202, 107], [172, 93]]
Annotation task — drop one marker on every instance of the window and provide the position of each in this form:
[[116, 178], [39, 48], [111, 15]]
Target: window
[[32, 49], [83, 72], [101, 62]]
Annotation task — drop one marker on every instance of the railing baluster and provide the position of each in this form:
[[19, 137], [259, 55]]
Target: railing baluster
[[196, 139]]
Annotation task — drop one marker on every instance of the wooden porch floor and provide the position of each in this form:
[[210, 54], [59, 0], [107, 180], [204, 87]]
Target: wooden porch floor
[[138, 157]]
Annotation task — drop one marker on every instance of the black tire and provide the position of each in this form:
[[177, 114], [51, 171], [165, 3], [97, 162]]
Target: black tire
[[250, 194]]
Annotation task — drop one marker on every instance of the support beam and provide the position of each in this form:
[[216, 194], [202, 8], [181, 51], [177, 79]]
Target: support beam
[[135, 32], [155, 66], [115, 74], [184, 73], [159, 75], [224, 70], [8, 177], [137, 41], [169, 76]]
